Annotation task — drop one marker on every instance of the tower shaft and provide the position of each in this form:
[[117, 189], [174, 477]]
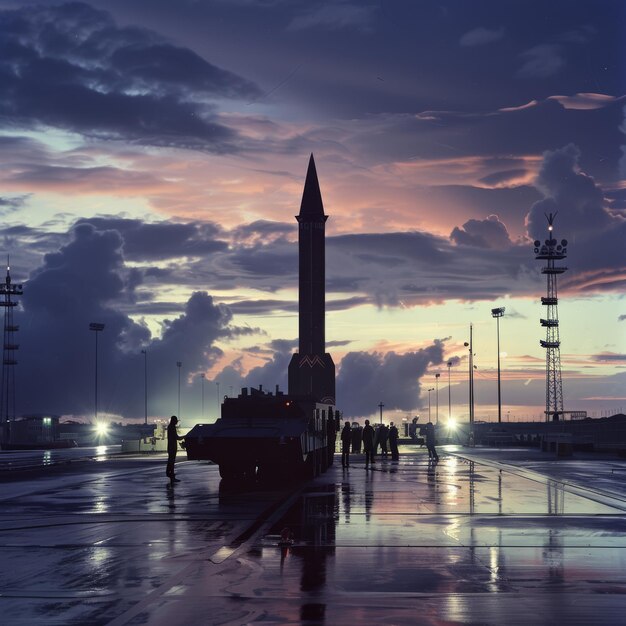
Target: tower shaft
[[311, 370], [312, 283]]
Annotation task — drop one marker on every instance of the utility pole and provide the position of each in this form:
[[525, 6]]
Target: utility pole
[[498, 313], [437, 398], [179, 365], [203, 376], [145, 385], [380, 406], [97, 328]]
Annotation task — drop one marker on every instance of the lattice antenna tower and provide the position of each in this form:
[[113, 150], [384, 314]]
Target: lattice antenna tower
[[8, 299], [551, 251]]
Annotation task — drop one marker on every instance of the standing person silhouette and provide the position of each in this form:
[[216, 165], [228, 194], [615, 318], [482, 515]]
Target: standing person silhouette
[[368, 444], [393, 441], [172, 449], [346, 439], [430, 442]]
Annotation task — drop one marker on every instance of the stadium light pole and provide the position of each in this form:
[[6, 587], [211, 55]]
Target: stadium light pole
[[217, 382], [97, 328], [470, 346], [498, 313], [179, 365], [203, 376], [437, 375], [431, 389], [145, 386], [449, 393]]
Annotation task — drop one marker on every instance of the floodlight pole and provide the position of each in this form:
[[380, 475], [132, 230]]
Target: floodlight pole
[[437, 375], [217, 382], [498, 313], [97, 328], [471, 385], [145, 386], [431, 389], [179, 365], [449, 393], [203, 376]]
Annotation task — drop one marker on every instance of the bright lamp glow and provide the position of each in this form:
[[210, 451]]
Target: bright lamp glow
[[451, 423], [101, 429]]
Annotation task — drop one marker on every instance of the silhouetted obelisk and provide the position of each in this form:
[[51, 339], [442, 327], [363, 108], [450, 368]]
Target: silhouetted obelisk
[[312, 371]]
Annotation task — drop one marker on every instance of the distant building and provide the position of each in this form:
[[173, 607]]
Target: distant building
[[35, 429]]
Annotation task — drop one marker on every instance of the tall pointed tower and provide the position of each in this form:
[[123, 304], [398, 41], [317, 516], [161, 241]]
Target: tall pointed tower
[[551, 250], [311, 370]]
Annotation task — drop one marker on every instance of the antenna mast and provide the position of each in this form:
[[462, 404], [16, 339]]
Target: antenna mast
[[552, 251]]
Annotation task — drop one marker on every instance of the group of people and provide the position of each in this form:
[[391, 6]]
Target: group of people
[[384, 436], [372, 437]]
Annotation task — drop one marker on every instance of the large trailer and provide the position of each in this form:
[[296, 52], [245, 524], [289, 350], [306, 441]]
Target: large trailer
[[267, 434]]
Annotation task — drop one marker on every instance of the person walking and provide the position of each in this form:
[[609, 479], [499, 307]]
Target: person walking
[[346, 440], [393, 442], [172, 449], [430, 442], [368, 444]]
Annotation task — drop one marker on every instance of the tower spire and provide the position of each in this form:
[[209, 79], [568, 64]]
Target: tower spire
[[311, 205]]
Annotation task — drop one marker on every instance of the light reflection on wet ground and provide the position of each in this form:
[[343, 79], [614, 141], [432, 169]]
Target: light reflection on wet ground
[[459, 542]]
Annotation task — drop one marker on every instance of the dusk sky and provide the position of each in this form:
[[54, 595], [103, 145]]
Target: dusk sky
[[153, 159]]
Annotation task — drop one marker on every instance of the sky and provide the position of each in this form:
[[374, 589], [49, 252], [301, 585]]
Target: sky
[[153, 157]]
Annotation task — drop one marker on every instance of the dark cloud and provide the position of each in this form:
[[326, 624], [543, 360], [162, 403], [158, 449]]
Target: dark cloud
[[609, 357], [10, 205], [85, 281], [596, 238], [71, 67], [489, 233], [262, 307], [84, 179], [163, 240], [365, 379]]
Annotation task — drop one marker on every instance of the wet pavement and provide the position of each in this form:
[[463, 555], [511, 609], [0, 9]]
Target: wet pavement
[[482, 537]]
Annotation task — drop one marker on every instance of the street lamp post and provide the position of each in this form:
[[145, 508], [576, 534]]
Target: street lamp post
[[218, 397], [96, 327], [449, 393], [437, 398], [179, 365], [380, 406], [498, 313], [203, 376], [145, 385], [431, 389], [471, 385]]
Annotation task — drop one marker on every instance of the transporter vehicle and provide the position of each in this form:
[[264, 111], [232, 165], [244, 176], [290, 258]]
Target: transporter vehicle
[[267, 434]]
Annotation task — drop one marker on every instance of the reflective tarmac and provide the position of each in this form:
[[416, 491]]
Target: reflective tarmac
[[464, 541]]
